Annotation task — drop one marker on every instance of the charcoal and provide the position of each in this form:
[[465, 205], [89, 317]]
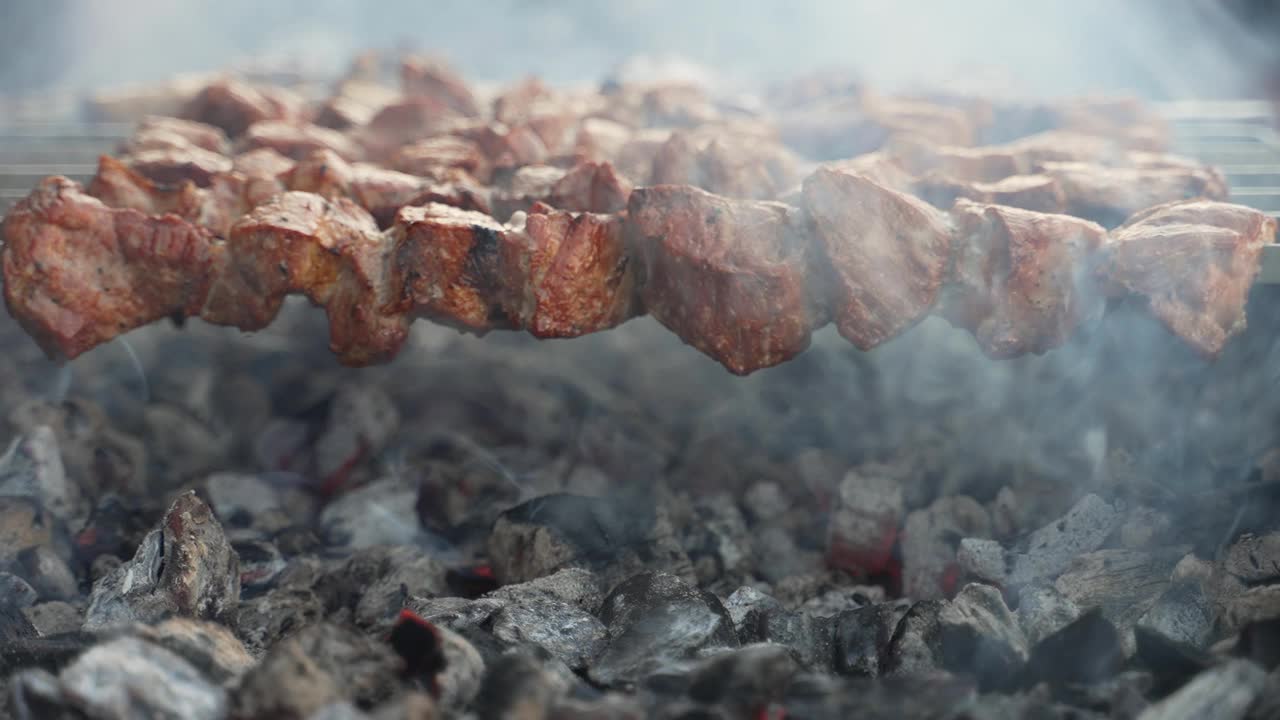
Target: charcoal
[[47, 573], [610, 706], [930, 540], [745, 601], [185, 445], [264, 620], [1171, 662], [518, 686], [124, 678], [978, 633], [362, 418], [654, 619], [383, 512], [1043, 611], [450, 666], [765, 501], [615, 538], [746, 681], [813, 696], [864, 525], [319, 665], [1226, 691], [1254, 558], [16, 593], [457, 614], [54, 617], [116, 527], [862, 637], [717, 541], [400, 572], [210, 648], [25, 524], [1252, 605], [185, 567], [1124, 583], [575, 586], [777, 556], [1182, 614], [807, 637], [32, 467], [913, 648], [260, 563], [1084, 652], [1268, 703], [568, 633], [265, 502], [50, 653], [1260, 642]]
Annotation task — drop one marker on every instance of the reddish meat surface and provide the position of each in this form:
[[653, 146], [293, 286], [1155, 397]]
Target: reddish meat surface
[[590, 187], [730, 277], [155, 132], [1041, 193], [887, 252], [298, 140], [233, 106], [1194, 263], [1021, 281], [1110, 194]]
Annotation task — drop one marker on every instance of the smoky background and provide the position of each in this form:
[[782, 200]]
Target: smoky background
[[1124, 404]]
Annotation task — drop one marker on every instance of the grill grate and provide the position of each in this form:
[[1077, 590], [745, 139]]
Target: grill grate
[[31, 151]]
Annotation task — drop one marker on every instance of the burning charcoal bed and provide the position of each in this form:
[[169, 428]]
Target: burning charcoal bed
[[827, 400]]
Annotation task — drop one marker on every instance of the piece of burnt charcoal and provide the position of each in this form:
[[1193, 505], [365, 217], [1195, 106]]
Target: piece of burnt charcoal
[[1021, 282], [1260, 641], [1171, 663], [808, 638], [1225, 691], [330, 252], [862, 637], [730, 277], [446, 266], [233, 106], [49, 575], [1043, 611], [379, 513], [1254, 558], [266, 619], [321, 664], [930, 540], [33, 468], [77, 273], [124, 677], [888, 252], [16, 593], [915, 698], [655, 619], [864, 525], [210, 647], [25, 524], [54, 617], [518, 685], [1183, 614], [443, 661], [567, 633], [185, 567], [614, 537], [567, 274], [1193, 263], [978, 634], [1084, 652], [24, 650], [260, 563], [746, 682], [263, 502], [590, 187]]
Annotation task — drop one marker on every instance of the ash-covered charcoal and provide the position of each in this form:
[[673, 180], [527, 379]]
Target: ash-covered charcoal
[[211, 648], [864, 525], [32, 467], [518, 685], [121, 678], [24, 524], [54, 617], [1260, 642], [16, 593], [1169, 662], [1254, 558], [718, 542], [1183, 613], [317, 666], [185, 567], [930, 538], [1226, 691], [978, 634], [817, 696], [748, 682], [1043, 611], [862, 637], [448, 665], [808, 638], [1125, 584], [1085, 652], [575, 586], [614, 537], [568, 633], [384, 512], [655, 619], [262, 502], [375, 582], [260, 562], [265, 620]]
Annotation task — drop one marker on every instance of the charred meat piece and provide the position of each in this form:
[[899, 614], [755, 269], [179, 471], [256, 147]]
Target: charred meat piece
[[446, 262], [730, 277], [506, 146], [888, 253], [424, 78], [590, 187], [1040, 193], [263, 170], [1108, 195], [159, 133], [437, 157], [400, 123], [1020, 280], [215, 207], [330, 251], [354, 103], [988, 163], [296, 141], [567, 274], [175, 164], [233, 106], [78, 273], [525, 187], [1194, 263], [752, 170]]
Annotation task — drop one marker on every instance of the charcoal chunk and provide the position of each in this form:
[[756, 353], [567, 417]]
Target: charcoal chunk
[[807, 637], [1084, 652], [518, 685], [1182, 614], [863, 635], [566, 632], [656, 619], [864, 526], [745, 681], [210, 647], [1226, 691], [47, 573]]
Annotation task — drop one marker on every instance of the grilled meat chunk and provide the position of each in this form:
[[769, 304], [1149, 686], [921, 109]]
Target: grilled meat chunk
[[234, 106], [159, 133], [1108, 195], [888, 254], [296, 141], [1194, 263], [730, 277], [1021, 281]]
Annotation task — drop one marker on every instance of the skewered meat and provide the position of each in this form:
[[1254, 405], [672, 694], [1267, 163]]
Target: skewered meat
[[215, 207], [567, 274], [524, 187], [156, 132], [590, 187], [296, 141], [1040, 193], [172, 165], [730, 277], [446, 266], [989, 163], [1020, 281], [234, 106], [354, 103], [438, 157], [1194, 263], [752, 170], [78, 273], [1109, 195], [888, 254], [423, 78]]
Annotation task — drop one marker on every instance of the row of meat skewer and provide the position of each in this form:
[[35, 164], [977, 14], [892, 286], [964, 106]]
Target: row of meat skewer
[[179, 226]]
